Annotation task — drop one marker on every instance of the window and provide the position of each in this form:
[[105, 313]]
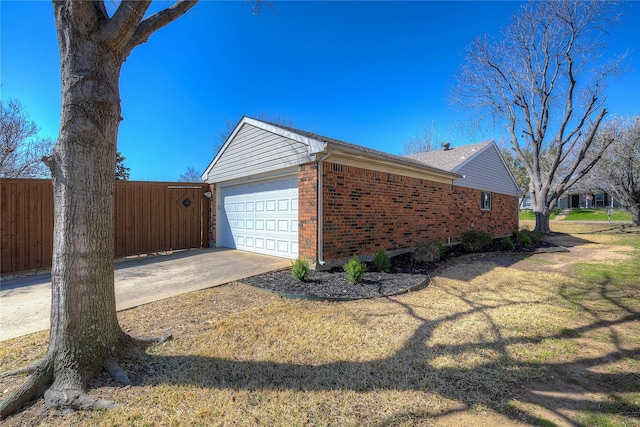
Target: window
[[485, 200]]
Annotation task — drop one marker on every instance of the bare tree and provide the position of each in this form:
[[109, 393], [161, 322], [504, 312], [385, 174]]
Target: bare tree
[[545, 80], [618, 172], [21, 149], [426, 139], [421, 142], [85, 336], [191, 175]]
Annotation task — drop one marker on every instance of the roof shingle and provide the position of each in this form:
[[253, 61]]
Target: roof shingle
[[450, 159]]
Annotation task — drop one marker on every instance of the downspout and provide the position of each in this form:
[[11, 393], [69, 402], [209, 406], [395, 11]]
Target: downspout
[[320, 213]]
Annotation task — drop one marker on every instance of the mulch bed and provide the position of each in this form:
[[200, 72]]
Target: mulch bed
[[405, 276]]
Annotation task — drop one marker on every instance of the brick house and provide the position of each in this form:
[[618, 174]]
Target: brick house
[[290, 193]]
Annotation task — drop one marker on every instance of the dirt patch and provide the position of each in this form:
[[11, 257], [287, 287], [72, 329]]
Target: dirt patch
[[579, 250]]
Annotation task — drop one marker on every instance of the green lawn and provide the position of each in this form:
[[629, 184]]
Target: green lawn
[[584, 215], [597, 215], [530, 215]]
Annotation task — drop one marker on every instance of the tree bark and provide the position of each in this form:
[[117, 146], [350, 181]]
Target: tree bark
[[541, 208], [635, 214], [84, 327], [542, 222], [85, 336]]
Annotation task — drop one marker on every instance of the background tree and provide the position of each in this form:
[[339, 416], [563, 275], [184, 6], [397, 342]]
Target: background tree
[[618, 172], [122, 172], [21, 149], [191, 175], [544, 81], [85, 337], [422, 141], [426, 139]]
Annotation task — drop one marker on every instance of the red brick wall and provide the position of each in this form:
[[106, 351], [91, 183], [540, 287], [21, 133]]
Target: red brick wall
[[500, 220], [308, 211], [365, 210]]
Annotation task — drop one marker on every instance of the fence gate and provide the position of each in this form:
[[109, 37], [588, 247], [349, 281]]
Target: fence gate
[[159, 216], [187, 226]]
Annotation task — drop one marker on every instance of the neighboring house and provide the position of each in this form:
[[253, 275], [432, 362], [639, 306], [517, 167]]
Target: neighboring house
[[577, 198], [290, 193]]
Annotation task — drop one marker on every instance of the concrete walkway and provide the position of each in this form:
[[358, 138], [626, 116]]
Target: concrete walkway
[[25, 302]]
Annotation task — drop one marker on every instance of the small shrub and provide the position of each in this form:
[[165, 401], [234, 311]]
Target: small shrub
[[426, 252], [475, 240], [441, 248], [381, 261], [355, 270], [300, 269], [537, 236], [516, 235], [527, 237], [507, 243]]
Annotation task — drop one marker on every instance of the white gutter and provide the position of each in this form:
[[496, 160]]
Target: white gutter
[[320, 240]]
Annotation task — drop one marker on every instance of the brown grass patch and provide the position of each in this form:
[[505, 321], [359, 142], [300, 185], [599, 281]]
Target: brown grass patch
[[497, 341]]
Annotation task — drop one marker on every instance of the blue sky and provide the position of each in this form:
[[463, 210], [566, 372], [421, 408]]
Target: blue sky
[[367, 72]]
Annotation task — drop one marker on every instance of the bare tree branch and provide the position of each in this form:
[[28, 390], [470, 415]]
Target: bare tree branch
[[124, 22], [156, 21]]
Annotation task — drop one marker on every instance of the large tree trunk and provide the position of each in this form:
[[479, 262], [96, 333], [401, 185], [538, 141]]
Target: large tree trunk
[[635, 214], [85, 335], [542, 210], [542, 222], [85, 332]]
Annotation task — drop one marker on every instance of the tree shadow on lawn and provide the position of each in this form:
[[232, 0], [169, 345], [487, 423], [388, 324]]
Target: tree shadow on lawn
[[568, 240], [496, 382]]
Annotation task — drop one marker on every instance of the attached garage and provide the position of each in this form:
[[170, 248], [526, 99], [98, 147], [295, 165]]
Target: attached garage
[[261, 217], [286, 192], [254, 189]]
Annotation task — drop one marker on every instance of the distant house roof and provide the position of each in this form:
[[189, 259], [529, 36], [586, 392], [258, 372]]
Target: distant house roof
[[481, 166], [450, 159]]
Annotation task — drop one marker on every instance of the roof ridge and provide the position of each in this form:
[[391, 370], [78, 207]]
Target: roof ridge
[[351, 145]]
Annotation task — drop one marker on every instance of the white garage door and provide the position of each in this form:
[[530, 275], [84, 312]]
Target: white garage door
[[262, 217]]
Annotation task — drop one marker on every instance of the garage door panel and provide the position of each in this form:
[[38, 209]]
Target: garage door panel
[[270, 245], [262, 217], [283, 246]]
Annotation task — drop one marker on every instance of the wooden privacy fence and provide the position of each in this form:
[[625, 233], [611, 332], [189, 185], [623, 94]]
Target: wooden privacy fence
[[149, 217]]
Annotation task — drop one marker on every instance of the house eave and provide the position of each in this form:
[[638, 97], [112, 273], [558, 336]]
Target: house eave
[[387, 164]]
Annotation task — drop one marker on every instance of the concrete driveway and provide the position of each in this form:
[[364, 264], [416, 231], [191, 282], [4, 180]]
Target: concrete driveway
[[25, 302]]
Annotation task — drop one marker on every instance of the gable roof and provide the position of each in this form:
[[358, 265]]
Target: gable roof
[[453, 158], [481, 165], [311, 147]]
